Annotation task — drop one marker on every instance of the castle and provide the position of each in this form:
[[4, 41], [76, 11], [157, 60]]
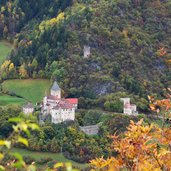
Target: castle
[[60, 109]]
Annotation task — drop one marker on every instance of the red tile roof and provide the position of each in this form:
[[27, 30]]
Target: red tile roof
[[72, 100], [64, 105], [129, 106]]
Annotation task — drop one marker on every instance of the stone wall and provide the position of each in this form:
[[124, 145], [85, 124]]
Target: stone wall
[[90, 130]]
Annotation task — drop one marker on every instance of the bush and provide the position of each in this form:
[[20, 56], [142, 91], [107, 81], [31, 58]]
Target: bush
[[113, 106], [28, 159], [92, 118], [44, 160], [50, 164]]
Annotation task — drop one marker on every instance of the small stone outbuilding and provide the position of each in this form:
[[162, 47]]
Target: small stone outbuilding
[[28, 108]]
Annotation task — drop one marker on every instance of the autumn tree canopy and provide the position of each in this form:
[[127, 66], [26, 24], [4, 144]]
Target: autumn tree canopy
[[142, 147]]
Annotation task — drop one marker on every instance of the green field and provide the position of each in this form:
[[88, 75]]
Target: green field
[[30, 89], [5, 48], [55, 156], [10, 100]]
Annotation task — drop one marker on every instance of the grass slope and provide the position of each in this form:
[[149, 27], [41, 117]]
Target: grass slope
[[10, 100], [30, 89], [55, 156], [5, 48]]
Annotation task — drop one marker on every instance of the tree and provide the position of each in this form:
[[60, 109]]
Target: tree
[[142, 147], [92, 118], [34, 64], [23, 72], [16, 137], [5, 32], [114, 106], [49, 132], [11, 67], [12, 71]]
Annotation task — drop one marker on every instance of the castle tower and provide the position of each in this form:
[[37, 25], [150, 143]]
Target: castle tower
[[125, 100], [55, 90], [87, 52]]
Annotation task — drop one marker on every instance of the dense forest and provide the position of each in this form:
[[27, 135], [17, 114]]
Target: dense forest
[[67, 136], [126, 38]]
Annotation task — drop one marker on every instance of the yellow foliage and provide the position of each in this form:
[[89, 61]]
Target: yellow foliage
[[51, 22], [5, 143], [23, 71], [142, 147], [11, 67], [1, 156], [125, 33], [5, 64]]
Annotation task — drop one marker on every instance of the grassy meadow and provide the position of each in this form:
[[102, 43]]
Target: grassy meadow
[[5, 48], [29, 89], [6, 100], [54, 156]]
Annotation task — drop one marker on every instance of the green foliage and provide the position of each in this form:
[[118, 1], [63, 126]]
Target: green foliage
[[6, 114], [92, 118], [68, 139], [16, 137], [114, 106], [49, 132]]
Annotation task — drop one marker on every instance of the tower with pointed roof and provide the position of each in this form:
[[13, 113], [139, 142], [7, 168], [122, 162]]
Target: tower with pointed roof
[[55, 90], [59, 108]]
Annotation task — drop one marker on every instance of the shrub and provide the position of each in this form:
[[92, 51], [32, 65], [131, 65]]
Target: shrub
[[44, 160], [28, 159]]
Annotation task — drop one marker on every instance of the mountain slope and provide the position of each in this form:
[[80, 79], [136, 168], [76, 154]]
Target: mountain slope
[[124, 36]]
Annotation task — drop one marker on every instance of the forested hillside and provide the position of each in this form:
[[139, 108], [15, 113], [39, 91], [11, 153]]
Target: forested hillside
[[125, 37], [15, 14]]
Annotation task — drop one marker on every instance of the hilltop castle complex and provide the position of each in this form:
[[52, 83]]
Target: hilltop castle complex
[[60, 109]]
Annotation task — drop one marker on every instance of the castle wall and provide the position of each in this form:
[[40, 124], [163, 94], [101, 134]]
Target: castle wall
[[28, 110], [90, 130], [61, 115]]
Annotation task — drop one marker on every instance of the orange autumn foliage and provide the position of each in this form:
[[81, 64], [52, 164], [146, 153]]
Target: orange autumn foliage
[[161, 105], [162, 51], [141, 148], [158, 104]]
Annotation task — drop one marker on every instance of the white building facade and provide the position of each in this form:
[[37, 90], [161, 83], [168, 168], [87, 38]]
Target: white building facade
[[60, 109], [128, 108], [61, 114]]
